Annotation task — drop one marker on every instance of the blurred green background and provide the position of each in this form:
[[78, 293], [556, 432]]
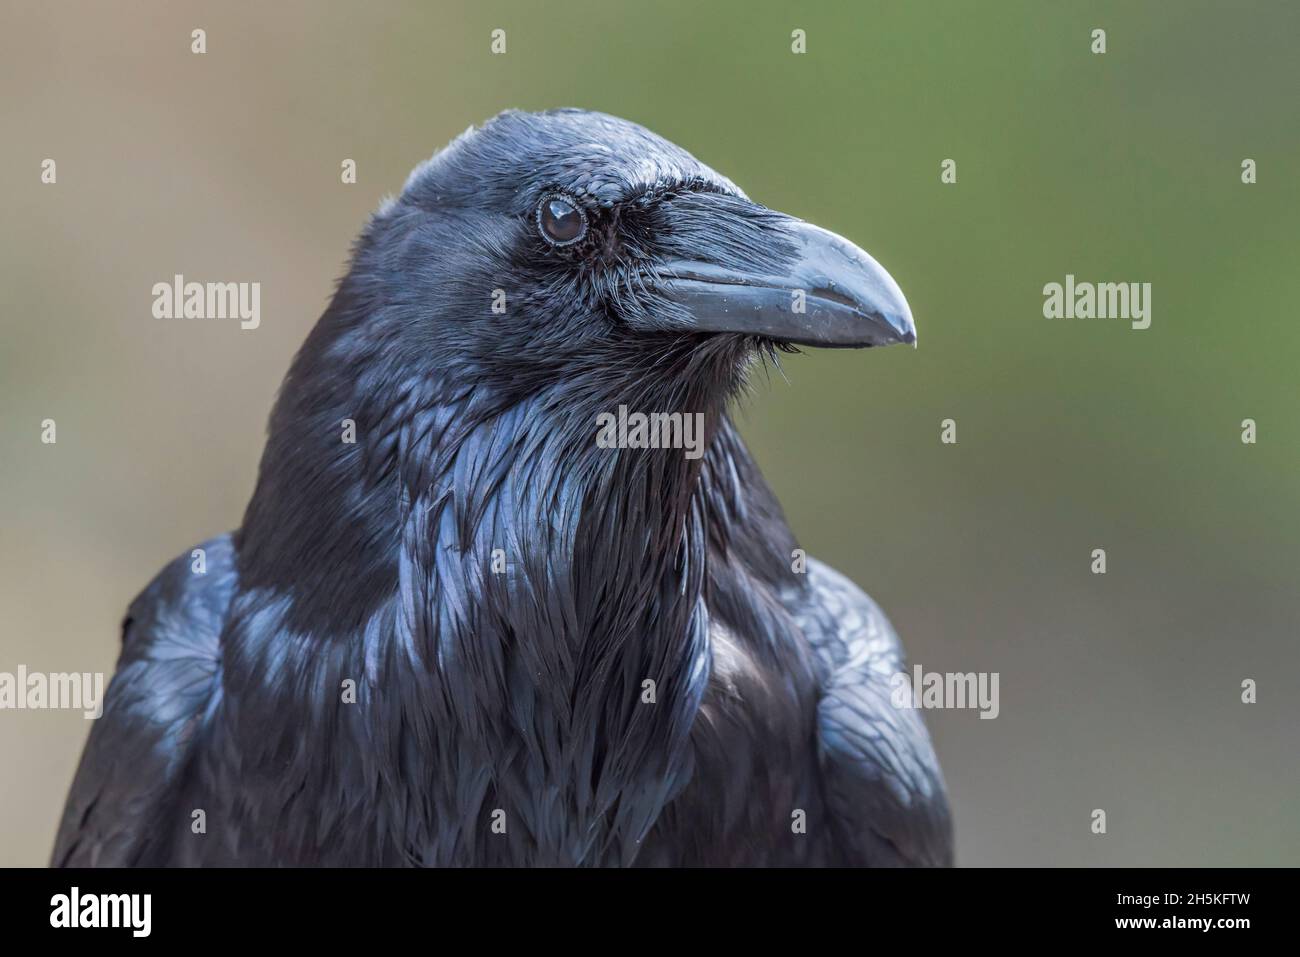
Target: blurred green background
[[1118, 691]]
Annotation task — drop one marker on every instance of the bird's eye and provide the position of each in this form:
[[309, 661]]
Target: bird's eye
[[561, 221]]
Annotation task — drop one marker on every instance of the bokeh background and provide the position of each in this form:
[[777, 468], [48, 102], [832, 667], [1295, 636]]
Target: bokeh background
[[1119, 691]]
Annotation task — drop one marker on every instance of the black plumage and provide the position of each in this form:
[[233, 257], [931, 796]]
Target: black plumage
[[501, 712]]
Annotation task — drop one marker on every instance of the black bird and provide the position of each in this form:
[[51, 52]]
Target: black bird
[[475, 634]]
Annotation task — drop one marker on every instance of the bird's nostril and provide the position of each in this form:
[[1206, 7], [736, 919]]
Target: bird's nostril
[[834, 295]]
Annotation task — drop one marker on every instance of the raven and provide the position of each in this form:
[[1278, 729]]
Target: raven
[[454, 629]]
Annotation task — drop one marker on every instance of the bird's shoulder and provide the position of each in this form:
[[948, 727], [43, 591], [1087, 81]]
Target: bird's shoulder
[[843, 625], [165, 685], [883, 786]]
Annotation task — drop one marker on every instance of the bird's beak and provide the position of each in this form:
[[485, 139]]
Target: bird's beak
[[830, 294]]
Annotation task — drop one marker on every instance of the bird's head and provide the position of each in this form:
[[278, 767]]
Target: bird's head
[[533, 277], [568, 244]]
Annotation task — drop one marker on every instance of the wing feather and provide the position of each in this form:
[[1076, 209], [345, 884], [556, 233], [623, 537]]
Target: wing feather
[[121, 808], [882, 782]]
